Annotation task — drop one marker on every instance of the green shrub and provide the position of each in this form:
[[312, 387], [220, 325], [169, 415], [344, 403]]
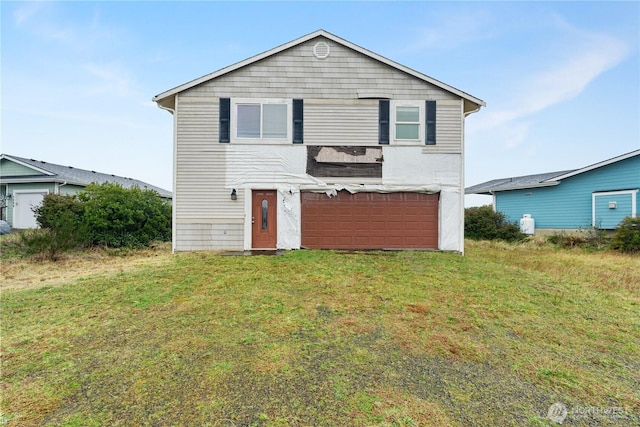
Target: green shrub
[[65, 232], [627, 236], [57, 208], [483, 223], [117, 217], [62, 229], [104, 215]]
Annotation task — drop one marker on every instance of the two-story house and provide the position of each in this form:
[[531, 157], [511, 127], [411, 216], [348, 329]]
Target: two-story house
[[318, 143]]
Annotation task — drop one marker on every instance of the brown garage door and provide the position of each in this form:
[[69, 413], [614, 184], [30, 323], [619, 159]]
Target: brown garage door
[[370, 221]]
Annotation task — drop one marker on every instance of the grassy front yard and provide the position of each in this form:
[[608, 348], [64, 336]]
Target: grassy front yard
[[325, 338]]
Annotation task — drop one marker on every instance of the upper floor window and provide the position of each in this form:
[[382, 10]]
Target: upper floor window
[[256, 120], [262, 121], [407, 122]]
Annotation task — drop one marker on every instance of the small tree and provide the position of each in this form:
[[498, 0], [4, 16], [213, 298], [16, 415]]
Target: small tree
[[483, 223], [627, 235]]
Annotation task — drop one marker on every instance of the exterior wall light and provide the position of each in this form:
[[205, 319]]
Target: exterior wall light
[[234, 194]]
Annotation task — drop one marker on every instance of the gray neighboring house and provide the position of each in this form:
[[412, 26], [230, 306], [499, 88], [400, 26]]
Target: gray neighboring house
[[25, 182]]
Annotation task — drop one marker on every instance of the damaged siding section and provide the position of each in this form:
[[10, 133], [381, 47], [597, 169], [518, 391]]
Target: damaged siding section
[[344, 161]]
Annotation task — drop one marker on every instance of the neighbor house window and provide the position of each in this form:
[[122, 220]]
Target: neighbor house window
[[263, 119]]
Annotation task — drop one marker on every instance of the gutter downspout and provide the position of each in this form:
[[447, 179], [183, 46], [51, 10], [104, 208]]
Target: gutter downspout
[[58, 185], [464, 114], [173, 184]]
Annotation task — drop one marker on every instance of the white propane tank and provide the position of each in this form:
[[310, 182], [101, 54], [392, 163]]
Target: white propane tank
[[527, 224]]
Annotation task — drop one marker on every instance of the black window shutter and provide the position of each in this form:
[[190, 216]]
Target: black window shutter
[[383, 121], [298, 121], [225, 120], [430, 132]]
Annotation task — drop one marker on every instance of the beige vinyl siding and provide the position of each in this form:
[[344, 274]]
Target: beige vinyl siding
[[296, 73], [341, 123], [197, 120], [448, 128], [206, 217], [199, 184], [198, 236], [355, 122]]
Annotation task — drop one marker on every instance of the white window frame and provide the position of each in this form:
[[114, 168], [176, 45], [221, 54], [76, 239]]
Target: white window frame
[[421, 121], [260, 101], [595, 195]]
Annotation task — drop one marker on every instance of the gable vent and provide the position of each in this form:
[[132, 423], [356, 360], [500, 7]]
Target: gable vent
[[321, 50]]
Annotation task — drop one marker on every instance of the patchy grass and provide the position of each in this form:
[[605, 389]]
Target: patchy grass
[[19, 271], [327, 339]]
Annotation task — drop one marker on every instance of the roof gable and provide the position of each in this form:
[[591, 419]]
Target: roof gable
[[166, 99], [51, 172], [14, 167], [599, 165], [540, 180]]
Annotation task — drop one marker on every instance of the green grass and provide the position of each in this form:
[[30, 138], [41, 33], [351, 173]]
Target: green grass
[[325, 338]]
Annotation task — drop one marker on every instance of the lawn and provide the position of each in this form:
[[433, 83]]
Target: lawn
[[322, 338]]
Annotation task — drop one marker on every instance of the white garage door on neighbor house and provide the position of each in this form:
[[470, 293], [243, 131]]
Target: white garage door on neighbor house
[[24, 202]]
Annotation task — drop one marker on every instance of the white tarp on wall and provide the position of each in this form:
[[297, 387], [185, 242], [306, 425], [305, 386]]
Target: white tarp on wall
[[283, 168], [289, 226]]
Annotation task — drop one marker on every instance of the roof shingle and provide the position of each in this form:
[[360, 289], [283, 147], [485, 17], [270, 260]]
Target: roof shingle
[[527, 181], [84, 177]]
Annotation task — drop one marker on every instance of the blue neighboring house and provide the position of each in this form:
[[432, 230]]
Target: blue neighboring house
[[600, 195]]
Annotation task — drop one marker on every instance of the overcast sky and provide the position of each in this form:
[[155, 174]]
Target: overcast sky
[[561, 79]]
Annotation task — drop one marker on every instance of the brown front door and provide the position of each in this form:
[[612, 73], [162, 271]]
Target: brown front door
[[264, 227]]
